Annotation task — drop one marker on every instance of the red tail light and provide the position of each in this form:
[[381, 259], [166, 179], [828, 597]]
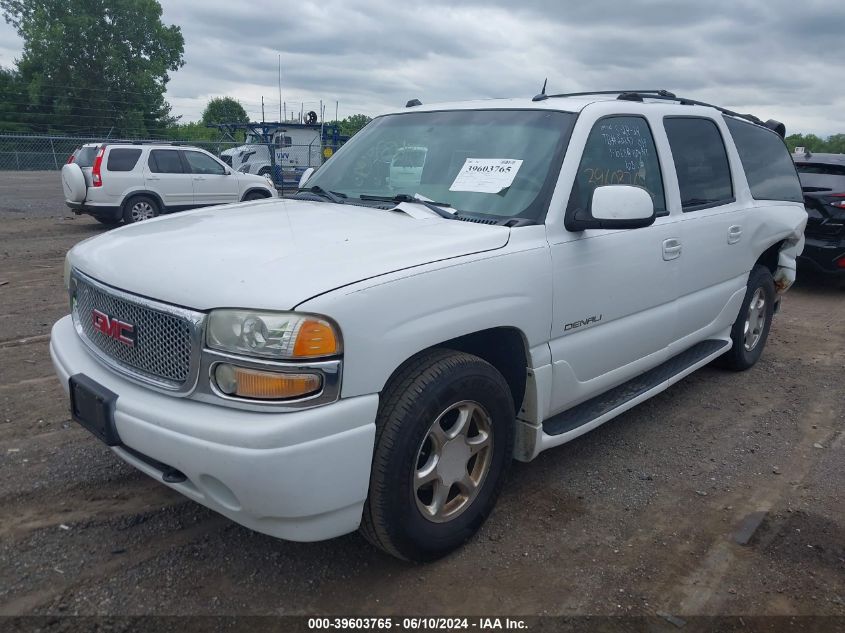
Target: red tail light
[[96, 179], [840, 263], [70, 158], [840, 203]]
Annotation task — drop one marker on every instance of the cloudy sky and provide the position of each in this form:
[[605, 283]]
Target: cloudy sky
[[774, 58]]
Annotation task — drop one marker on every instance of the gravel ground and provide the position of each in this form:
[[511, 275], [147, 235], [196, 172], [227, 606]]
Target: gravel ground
[[722, 495]]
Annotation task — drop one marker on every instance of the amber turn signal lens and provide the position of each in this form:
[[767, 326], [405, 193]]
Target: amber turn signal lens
[[264, 385], [315, 338]]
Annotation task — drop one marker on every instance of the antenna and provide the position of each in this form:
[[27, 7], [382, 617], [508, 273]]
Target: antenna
[[542, 96], [280, 87]]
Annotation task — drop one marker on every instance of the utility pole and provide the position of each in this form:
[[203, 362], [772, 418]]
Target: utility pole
[[280, 87], [262, 109], [335, 112]]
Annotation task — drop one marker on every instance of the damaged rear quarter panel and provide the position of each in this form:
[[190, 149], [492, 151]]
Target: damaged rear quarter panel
[[779, 223]]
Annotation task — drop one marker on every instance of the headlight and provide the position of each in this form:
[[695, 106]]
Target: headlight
[[272, 334]]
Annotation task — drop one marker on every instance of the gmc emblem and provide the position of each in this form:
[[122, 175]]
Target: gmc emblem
[[114, 328]]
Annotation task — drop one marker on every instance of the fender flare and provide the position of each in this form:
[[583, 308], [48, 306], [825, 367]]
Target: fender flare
[[262, 190], [143, 192]]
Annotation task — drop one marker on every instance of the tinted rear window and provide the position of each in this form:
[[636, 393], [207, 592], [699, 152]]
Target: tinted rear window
[[165, 161], [821, 169], [85, 156], [767, 163], [122, 159], [704, 175]]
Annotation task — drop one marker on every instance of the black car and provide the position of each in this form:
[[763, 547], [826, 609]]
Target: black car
[[823, 181]]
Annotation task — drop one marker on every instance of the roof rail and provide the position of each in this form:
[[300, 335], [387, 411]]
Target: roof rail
[[638, 95], [542, 96]]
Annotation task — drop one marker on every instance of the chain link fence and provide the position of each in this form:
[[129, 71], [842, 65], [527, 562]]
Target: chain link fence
[[20, 152]]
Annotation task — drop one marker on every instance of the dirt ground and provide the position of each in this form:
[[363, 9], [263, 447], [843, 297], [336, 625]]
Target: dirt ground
[[723, 495]]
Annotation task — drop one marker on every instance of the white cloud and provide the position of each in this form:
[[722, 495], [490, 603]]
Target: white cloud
[[773, 58]]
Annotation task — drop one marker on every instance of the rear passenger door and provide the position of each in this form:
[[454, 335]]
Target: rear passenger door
[[167, 176], [213, 184], [713, 230]]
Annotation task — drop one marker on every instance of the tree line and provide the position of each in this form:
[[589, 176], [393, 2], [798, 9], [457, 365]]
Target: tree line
[[101, 68], [834, 144]]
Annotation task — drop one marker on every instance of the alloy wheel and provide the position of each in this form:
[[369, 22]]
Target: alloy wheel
[[755, 320], [453, 461]]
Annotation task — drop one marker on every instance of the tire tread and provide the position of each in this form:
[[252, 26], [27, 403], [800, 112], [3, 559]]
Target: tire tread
[[396, 402]]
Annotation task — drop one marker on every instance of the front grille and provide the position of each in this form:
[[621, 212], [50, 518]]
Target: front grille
[[163, 345]]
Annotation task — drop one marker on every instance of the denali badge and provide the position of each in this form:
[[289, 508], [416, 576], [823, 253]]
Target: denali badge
[[582, 322], [114, 328]]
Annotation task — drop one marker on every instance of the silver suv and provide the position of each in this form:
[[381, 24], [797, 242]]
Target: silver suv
[[134, 182]]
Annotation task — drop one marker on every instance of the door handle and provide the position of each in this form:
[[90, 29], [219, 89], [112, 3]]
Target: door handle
[[734, 234], [198, 178], [671, 248], [153, 178]]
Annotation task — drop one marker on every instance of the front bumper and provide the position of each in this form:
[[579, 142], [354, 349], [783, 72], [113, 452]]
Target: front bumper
[[821, 255], [300, 475]]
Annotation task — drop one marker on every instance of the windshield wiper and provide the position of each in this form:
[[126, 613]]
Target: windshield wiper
[[404, 197], [332, 196]]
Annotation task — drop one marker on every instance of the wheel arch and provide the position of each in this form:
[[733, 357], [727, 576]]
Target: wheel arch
[[142, 192], [505, 348], [262, 190], [769, 258]]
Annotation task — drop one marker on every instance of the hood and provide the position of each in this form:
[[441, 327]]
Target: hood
[[234, 150], [272, 254]]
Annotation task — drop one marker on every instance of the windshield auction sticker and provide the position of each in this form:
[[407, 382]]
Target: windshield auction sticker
[[486, 175]]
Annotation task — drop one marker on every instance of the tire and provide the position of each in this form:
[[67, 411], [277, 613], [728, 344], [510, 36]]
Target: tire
[[254, 195], [140, 208], [417, 425], [73, 183], [108, 221], [748, 343]]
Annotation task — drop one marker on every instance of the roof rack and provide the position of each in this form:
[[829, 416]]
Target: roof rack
[[665, 95]]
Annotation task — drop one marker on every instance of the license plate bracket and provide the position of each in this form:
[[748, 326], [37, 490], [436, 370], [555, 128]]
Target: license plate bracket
[[92, 406]]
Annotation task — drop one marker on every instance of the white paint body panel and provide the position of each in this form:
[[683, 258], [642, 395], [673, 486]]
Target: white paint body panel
[[399, 283], [272, 254], [267, 471]]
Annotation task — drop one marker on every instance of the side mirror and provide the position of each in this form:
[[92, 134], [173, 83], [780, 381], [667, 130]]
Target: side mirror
[[305, 176], [616, 207]]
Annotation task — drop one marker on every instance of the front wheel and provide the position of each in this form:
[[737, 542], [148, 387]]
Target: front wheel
[[751, 328], [444, 440]]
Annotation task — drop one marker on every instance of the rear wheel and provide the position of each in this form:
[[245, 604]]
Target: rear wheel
[[140, 208], [444, 442], [751, 328]]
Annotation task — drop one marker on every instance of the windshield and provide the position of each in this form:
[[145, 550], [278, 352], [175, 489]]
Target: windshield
[[500, 163]]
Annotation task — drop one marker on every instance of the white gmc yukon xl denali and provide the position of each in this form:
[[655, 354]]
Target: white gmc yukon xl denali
[[376, 350]]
